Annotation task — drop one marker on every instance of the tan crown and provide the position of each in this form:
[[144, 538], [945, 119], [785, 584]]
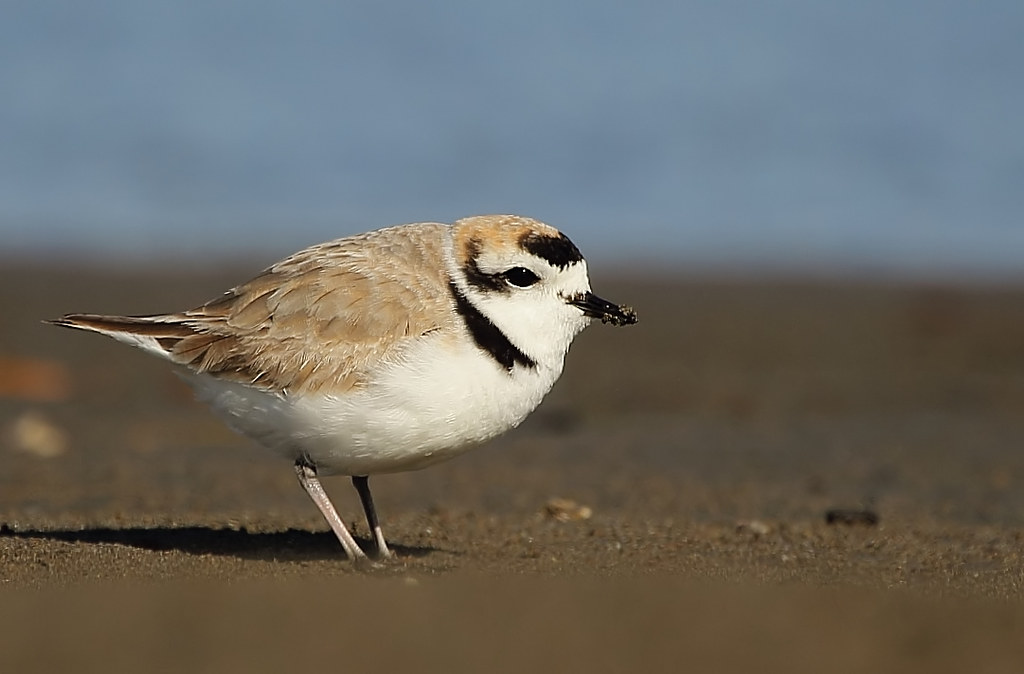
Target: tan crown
[[494, 233]]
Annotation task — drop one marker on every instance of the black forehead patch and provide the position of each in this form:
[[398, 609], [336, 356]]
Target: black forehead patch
[[559, 251]]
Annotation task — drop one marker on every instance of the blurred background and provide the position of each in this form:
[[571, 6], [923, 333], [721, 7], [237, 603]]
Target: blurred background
[[878, 137], [814, 207]]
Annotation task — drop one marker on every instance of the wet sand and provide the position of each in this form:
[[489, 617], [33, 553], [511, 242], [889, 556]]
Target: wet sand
[[709, 443]]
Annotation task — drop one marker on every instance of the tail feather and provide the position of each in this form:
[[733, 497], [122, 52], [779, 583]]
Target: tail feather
[[148, 325], [155, 334]]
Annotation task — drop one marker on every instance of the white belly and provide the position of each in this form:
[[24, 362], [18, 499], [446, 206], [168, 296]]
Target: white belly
[[436, 404]]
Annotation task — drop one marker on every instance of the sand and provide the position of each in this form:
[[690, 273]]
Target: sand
[[762, 475]]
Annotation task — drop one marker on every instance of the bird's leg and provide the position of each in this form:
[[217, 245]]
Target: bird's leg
[[307, 478], [362, 485]]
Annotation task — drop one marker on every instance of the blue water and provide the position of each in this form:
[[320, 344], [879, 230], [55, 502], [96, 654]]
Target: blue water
[[876, 136]]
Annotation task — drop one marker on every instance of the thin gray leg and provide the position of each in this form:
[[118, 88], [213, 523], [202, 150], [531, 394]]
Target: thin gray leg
[[307, 478], [362, 485]]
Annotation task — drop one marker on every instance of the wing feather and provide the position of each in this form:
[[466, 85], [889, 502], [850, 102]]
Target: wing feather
[[321, 318]]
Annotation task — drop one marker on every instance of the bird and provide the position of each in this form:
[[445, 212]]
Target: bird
[[382, 352]]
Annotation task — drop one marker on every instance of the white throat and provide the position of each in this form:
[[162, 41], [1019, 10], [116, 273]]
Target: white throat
[[538, 324]]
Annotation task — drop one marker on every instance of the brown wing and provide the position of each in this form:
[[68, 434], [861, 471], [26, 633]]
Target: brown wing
[[324, 316]]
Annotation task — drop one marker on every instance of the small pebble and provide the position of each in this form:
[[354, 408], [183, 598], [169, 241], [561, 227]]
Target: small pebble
[[851, 516], [756, 527], [33, 433], [566, 510]]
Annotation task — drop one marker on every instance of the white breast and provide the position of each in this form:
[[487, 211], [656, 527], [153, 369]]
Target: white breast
[[439, 401]]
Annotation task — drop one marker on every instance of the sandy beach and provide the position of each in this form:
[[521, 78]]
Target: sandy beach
[[762, 475]]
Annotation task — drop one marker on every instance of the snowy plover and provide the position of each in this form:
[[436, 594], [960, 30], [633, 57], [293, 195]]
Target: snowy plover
[[385, 351]]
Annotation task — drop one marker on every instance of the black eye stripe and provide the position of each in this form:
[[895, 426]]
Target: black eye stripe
[[501, 282], [478, 278]]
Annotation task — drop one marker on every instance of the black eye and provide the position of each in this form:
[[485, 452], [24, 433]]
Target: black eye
[[521, 277]]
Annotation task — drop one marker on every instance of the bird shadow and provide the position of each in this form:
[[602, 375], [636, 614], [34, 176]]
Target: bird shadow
[[289, 545]]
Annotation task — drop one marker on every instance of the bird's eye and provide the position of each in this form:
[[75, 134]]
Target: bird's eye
[[521, 277]]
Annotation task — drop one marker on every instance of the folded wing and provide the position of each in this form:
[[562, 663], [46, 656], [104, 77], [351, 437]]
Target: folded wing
[[323, 317]]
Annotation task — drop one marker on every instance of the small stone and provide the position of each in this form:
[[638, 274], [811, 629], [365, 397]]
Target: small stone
[[851, 516], [566, 510], [756, 527], [33, 433]]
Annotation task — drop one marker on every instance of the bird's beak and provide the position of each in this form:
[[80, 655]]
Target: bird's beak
[[595, 307]]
